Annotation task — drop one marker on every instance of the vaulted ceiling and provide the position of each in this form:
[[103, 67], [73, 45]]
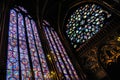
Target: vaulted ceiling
[[49, 10]]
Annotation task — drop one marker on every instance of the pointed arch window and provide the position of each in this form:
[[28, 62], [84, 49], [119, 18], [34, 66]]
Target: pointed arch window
[[25, 57], [84, 22], [63, 62]]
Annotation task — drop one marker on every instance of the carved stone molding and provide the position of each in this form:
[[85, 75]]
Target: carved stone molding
[[110, 51], [91, 65]]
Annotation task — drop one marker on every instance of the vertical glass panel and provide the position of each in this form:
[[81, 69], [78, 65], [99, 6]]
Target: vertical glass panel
[[40, 52], [24, 60], [64, 55], [52, 51], [12, 57], [33, 51], [23, 57], [57, 54]]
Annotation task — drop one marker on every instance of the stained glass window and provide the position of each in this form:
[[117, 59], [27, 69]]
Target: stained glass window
[[84, 23], [25, 57], [63, 62]]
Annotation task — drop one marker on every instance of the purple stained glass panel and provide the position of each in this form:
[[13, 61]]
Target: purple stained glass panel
[[40, 51], [52, 51], [56, 53], [12, 59], [65, 56], [18, 50], [33, 50], [60, 55], [24, 60]]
